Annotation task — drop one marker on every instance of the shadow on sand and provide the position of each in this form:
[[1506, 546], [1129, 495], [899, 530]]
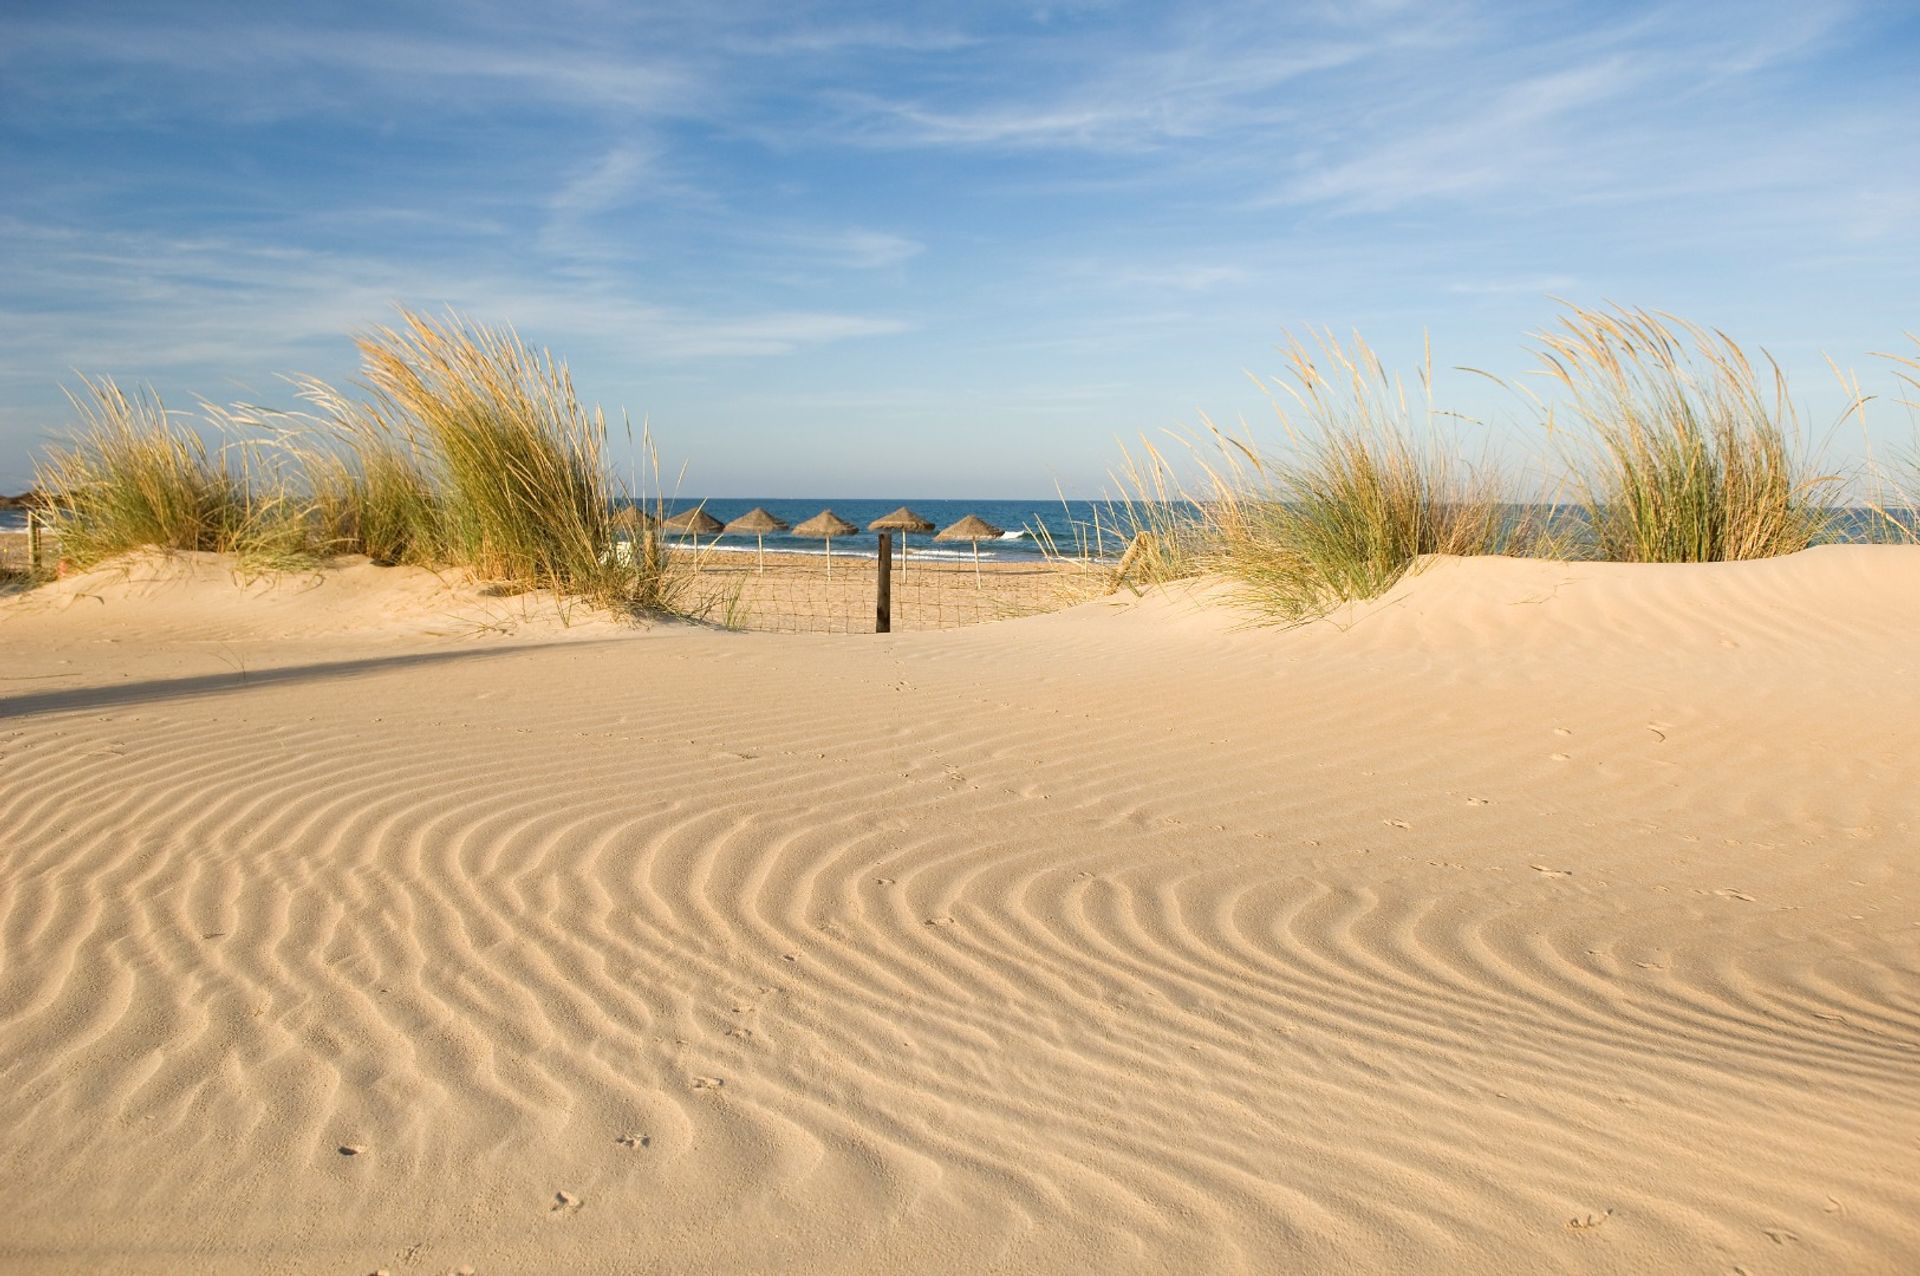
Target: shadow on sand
[[152, 690]]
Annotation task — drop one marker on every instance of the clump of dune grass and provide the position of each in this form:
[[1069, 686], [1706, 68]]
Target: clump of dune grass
[[1361, 487], [476, 452], [1679, 449], [1148, 532], [1893, 507], [132, 477], [372, 486], [526, 491], [1164, 530], [473, 452]]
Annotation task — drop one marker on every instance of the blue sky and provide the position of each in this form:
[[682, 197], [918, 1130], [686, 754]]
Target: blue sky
[[943, 251]]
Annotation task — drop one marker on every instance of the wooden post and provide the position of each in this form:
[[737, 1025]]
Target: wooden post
[[33, 540], [883, 596]]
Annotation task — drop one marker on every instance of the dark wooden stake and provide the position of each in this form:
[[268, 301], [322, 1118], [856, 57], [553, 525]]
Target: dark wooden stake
[[33, 541], [883, 597]]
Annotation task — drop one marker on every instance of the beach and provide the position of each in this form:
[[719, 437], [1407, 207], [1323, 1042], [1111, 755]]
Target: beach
[[1535, 916]]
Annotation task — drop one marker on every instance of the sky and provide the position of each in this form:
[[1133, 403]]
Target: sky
[[943, 250]]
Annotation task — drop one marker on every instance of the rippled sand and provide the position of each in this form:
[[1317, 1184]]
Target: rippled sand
[[1536, 918]]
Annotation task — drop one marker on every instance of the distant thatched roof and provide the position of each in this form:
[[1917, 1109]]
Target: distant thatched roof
[[971, 528], [631, 518], [693, 520], [757, 522], [824, 524], [901, 520]]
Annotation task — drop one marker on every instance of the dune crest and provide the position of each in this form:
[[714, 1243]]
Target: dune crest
[[1533, 917]]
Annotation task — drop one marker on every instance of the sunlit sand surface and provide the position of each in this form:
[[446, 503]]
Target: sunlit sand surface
[[1536, 917]]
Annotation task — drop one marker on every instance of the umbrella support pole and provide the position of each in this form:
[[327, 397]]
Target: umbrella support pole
[[883, 592]]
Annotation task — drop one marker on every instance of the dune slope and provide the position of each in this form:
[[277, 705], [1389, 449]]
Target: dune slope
[[1538, 917]]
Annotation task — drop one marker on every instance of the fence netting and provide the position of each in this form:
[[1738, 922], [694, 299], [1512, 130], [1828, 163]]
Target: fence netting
[[740, 588]]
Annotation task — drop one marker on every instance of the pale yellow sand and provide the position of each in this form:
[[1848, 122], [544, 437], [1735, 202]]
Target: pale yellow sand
[[1536, 918]]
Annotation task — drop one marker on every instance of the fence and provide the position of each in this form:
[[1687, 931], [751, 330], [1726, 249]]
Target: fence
[[26, 551], [741, 588]]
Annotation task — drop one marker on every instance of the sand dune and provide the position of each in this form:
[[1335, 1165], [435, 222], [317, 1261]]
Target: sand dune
[[1537, 917]]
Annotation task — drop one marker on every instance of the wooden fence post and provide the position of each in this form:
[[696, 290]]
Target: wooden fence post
[[883, 595], [33, 540]]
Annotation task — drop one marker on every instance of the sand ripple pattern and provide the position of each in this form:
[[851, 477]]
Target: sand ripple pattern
[[705, 953]]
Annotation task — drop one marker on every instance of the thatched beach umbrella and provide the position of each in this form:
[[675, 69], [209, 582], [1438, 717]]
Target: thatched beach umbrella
[[902, 520], [825, 526], [976, 529], [695, 522], [759, 522]]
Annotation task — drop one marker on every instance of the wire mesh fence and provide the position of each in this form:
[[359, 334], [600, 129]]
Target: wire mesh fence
[[741, 588], [16, 555]]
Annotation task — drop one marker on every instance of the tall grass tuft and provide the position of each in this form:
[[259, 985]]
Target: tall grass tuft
[[372, 485], [1357, 494], [130, 477], [473, 452], [1679, 449], [527, 494], [1894, 505]]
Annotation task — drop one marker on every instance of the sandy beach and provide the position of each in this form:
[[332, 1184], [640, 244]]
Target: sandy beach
[[1535, 917]]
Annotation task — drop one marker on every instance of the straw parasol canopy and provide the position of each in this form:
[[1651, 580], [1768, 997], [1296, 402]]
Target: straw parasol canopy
[[631, 518], [694, 522], [902, 520], [759, 522], [825, 526], [972, 528]]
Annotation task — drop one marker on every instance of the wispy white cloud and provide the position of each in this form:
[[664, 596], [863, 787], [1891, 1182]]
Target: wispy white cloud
[[1537, 285]]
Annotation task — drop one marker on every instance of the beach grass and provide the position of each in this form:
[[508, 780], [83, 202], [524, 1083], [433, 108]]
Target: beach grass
[[131, 476], [1680, 448], [1362, 484], [473, 451], [1894, 500]]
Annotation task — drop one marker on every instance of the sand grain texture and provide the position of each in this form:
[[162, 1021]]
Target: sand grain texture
[[1538, 917]]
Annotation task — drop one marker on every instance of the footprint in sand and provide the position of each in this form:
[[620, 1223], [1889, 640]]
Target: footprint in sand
[[1587, 1222], [1551, 872], [635, 1140], [1472, 801], [565, 1203], [350, 1149], [707, 1083], [1727, 892], [939, 921], [1396, 824], [1563, 731], [1563, 757]]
